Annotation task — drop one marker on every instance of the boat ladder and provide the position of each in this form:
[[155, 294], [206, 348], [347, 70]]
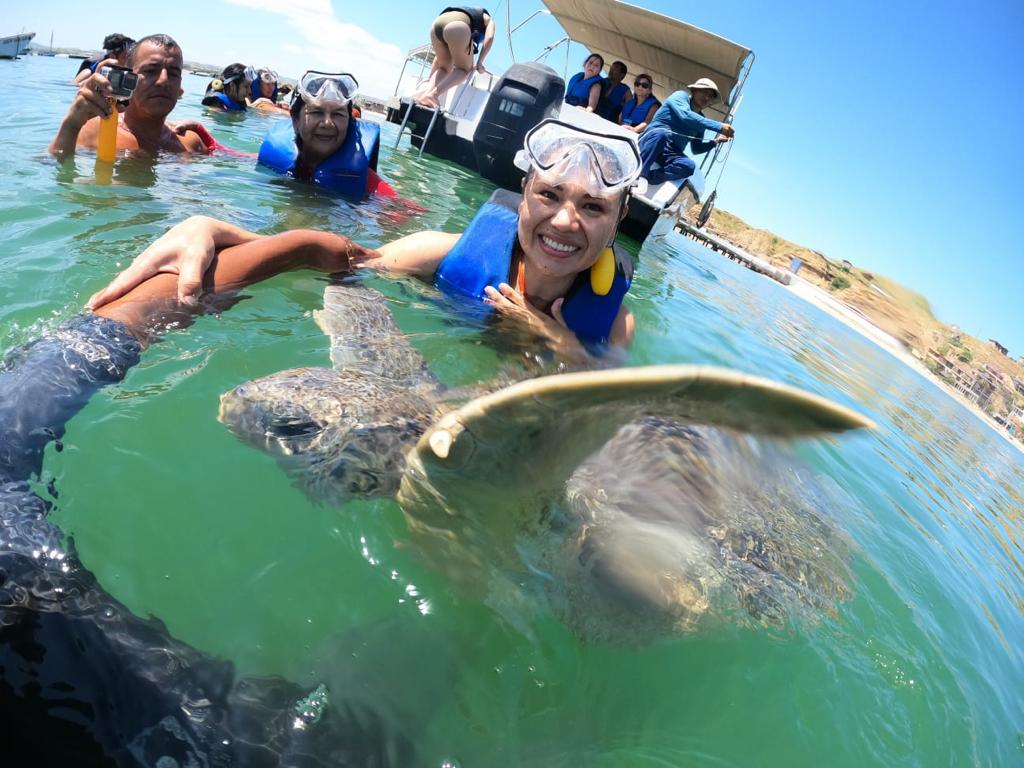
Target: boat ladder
[[412, 134]]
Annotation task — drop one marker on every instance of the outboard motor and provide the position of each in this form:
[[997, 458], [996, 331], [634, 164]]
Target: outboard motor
[[526, 94]]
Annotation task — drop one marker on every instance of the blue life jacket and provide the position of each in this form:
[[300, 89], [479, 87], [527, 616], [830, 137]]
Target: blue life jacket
[[608, 107], [483, 256], [633, 116], [213, 97], [577, 93], [345, 171], [254, 90]]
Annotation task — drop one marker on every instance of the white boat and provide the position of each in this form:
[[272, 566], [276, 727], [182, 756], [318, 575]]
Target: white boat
[[13, 46], [481, 124]]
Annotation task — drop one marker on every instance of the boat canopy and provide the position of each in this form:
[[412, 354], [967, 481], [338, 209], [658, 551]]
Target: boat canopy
[[674, 53]]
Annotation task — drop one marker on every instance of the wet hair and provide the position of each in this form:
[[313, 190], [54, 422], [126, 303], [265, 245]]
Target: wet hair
[[117, 42], [597, 56], [163, 41], [235, 70], [297, 104]]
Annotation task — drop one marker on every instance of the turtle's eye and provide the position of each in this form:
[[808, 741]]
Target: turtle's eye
[[292, 426]]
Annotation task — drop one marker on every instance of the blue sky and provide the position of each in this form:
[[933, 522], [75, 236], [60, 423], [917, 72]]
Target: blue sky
[[885, 133]]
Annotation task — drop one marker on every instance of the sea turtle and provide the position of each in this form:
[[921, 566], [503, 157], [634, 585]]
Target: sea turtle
[[600, 482]]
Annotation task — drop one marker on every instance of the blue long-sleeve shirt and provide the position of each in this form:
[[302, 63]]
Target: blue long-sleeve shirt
[[677, 116]]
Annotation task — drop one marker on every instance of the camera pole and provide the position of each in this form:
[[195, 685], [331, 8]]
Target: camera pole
[[107, 148]]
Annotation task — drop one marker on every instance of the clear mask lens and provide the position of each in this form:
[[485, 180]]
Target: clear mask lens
[[316, 87], [602, 164]]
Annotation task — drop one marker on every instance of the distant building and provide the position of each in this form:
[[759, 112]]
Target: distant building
[[1018, 384], [1017, 414], [1000, 347]]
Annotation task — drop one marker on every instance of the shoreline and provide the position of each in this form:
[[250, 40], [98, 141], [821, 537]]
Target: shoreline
[[858, 322]]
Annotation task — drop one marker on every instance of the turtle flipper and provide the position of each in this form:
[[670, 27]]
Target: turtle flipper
[[533, 434]]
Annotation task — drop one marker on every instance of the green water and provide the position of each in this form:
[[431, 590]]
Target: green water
[[178, 519]]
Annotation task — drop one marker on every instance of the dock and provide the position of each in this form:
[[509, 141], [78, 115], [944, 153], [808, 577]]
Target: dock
[[730, 251]]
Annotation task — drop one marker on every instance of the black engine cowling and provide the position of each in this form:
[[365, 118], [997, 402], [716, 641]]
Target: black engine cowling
[[526, 94]]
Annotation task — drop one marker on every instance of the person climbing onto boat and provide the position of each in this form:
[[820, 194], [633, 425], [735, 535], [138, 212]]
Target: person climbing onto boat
[[677, 123], [584, 88], [543, 258], [263, 90], [638, 112], [614, 92], [228, 91], [115, 46], [157, 61], [323, 142], [456, 35]]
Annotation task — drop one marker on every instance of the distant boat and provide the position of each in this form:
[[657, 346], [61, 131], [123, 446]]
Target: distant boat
[[47, 52], [14, 45]]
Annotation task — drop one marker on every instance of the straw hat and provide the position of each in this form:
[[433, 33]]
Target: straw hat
[[707, 84]]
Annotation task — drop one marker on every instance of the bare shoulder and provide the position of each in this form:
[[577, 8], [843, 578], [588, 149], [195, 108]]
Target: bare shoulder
[[418, 254], [192, 142]]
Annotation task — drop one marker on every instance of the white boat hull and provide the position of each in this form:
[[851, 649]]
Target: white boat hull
[[13, 46]]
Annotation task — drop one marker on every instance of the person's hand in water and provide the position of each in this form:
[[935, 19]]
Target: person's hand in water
[[187, 250]]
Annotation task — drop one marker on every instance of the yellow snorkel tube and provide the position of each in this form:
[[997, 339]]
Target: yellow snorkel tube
[[107, 149], [122, 84]]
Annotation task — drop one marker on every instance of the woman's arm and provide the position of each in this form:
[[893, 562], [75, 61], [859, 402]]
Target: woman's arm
[[155, 299], [622, 329], [485, 46], [186, 250], [419, 254], [595, 97]]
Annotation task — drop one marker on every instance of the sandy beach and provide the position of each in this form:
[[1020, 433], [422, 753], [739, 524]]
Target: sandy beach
[[862, 325]]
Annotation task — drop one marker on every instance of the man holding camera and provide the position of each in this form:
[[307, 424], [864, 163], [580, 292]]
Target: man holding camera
[[152, 84]]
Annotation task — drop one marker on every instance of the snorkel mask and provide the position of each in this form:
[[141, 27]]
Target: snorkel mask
[[263, 73], [603, 164], [322, 87]]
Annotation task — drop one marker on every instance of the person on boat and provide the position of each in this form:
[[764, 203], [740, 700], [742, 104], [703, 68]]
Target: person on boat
[[323, 142], [456, 35], [115, 46], [157, 61], [638, 112], [584, 88], [544, 258], [228, 92], [614, 92], [677, 123], [263, 90]]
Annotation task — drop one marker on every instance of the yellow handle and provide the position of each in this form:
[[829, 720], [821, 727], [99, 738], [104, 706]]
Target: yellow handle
[[602, 274], [107, 149]]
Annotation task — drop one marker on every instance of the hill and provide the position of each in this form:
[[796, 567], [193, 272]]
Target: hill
[[976, 368]]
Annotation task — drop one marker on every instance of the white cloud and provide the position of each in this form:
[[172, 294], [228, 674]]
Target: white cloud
[[328, 44]]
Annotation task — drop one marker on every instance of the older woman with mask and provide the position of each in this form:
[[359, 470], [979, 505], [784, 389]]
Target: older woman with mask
[[323, 143]]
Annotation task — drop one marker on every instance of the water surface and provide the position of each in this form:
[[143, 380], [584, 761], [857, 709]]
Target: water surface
[[178, 519]]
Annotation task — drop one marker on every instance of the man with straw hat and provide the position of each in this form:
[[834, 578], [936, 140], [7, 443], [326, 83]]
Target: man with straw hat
[[678, 122]]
